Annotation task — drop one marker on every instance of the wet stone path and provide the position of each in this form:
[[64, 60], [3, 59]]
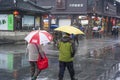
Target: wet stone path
[[96, 61]]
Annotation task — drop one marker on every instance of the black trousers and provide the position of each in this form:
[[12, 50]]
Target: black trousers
[[62, 66]]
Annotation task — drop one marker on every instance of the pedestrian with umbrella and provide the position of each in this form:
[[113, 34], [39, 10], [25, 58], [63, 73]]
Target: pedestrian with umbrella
[[73, 31], [66, 48], [66, 54], [36, 39], [33, 56]]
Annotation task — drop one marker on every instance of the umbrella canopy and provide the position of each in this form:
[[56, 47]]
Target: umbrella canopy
[[39, 37], [69, 29], [95, 28]]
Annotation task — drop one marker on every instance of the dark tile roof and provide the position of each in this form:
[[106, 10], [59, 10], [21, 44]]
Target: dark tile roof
[[22, 6], [28, 7], [6, 4]]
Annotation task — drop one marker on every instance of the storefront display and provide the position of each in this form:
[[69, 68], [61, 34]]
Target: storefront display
[[28, 22]]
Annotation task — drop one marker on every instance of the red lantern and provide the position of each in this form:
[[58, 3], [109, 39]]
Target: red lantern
[[96, 19], [45, 16], [16, 13], [111, 19], [114, 21]]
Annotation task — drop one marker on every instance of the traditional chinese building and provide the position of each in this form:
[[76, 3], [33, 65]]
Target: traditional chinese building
[[85, 12], [21, 15]]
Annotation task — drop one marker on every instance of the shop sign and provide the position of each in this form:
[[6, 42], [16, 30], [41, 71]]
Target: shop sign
[[53, 21], [6, 22], [75, 5], [45, 22]]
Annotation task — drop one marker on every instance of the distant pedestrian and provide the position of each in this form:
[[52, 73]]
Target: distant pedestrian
[[67, 51], [81, 27], [55, 38], [32, 52], [117, 32], [72, 36], [76, 39]]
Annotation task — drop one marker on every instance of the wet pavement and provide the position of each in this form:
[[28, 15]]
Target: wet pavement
[[92, 59]]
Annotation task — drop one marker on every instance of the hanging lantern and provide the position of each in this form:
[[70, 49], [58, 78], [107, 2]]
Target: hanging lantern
[[96, 19], [114, 21], [16, 13], [111, 19], [45, 16]]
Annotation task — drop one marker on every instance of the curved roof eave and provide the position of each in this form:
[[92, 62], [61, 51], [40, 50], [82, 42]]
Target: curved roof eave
[[24, 6], [40, 7]]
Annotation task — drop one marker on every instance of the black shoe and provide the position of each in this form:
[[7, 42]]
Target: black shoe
[[34, 78], [60, 79], [74, 79]]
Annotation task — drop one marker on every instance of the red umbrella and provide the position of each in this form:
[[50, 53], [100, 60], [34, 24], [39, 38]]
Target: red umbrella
[[39, 37]]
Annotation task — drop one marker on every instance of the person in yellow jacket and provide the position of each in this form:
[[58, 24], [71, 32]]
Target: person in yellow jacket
[[66, 53]]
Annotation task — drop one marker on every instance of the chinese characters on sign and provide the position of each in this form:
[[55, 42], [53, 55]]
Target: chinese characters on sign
[[75, 5]]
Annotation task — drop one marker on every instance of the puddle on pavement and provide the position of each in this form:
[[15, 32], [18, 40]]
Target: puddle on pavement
[[100, 63], [109, 52], [13, 65]]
